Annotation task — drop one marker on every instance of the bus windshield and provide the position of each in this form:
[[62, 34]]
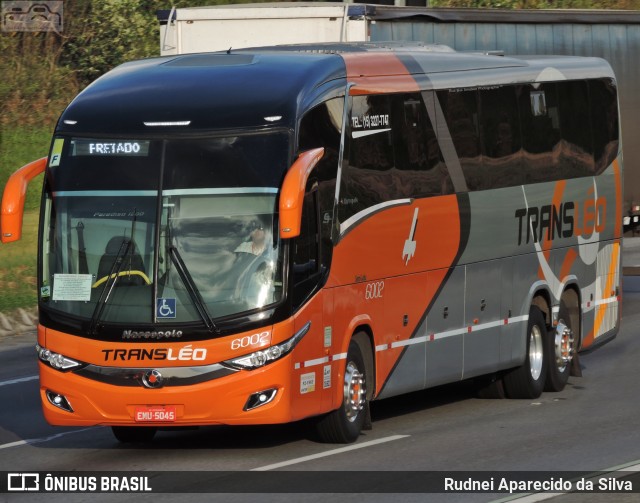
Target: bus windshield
[[162, 231]]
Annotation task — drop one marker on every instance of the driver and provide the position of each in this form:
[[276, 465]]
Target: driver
[[257, 242], [255, 281]]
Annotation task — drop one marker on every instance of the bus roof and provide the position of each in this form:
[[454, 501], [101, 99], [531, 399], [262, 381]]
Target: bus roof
[[211, 90], [250, 88]]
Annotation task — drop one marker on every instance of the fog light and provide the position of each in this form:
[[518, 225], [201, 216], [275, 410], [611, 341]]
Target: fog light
[[260, 398], [58, 400]]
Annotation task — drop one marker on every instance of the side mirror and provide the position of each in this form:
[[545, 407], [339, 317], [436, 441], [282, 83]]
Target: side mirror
[[13, 200], [292, 193]]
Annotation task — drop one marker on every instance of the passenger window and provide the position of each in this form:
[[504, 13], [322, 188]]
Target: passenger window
[[540, 116], [576, 157], [604, 120], [366, 176], [421, 171], [501, 139], [392, 153], [460, 109]]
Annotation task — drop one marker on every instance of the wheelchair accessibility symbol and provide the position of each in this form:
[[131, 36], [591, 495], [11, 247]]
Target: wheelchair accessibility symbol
[[165, 308]]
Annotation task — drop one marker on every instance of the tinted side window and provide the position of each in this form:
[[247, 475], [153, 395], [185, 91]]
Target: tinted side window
[[501, 138], [370, 156], [532, 133], [604, 119], [421, 171], [540, 117], [576, 157], [460, 108], [392, 153]]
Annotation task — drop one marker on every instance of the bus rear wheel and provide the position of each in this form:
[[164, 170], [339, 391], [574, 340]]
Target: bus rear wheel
[[344, 424], [134, 434], [528, 380]]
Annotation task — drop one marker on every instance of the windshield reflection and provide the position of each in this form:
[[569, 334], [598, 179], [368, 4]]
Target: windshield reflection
[[232, 258]]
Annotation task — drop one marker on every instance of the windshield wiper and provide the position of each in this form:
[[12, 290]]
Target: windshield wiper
[[83, 267], [114, 274], [192, 289], [112, 278]]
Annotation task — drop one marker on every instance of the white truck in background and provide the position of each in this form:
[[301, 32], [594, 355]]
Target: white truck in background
[[217, 28]]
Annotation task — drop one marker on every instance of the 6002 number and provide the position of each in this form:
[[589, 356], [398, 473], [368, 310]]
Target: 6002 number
[[374, 290], [261, 339]]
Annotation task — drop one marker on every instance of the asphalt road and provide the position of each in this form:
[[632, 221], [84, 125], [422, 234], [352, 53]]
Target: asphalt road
[[593, 425]]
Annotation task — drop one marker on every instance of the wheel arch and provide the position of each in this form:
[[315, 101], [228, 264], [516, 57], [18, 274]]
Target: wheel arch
[[542, 300]]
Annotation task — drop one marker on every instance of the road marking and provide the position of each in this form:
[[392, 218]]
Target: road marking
[[328, 453], [16, 381], [613, 472], [31, 441]]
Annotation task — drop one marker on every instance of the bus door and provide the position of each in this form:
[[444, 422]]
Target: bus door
[[312, 366]]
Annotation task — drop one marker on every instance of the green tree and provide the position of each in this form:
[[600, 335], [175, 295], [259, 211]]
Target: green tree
[[104, 34]]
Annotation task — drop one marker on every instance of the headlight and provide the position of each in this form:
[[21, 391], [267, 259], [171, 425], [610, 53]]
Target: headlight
[[57, 361], [261, 358]]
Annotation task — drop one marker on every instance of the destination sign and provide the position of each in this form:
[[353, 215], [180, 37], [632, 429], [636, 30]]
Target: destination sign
[[131, 148]]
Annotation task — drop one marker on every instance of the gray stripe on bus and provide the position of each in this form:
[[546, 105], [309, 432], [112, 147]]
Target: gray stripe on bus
[[448, 149]]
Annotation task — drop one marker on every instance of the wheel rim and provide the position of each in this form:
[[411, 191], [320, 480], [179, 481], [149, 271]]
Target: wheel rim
[[535, 352], [563, 345], [355, 391]]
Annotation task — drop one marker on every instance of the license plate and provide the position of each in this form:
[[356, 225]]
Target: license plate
[[155, 414]]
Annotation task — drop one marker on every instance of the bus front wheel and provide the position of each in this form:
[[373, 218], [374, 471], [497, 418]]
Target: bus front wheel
[[344, 424]]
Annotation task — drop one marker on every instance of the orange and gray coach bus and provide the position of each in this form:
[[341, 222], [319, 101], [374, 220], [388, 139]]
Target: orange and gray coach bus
[[264, 236]]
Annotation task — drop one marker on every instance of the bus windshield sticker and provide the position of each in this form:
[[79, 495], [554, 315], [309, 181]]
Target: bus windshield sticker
[[165, 308], [72, 287], [130, 148], [56, 152]]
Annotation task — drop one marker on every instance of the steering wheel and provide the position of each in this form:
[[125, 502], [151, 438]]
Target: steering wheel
[[141, 274]]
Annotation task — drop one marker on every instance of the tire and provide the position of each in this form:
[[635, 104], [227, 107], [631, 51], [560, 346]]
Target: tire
[[343, 425], [558, 344], [134, 434], [528, 380]]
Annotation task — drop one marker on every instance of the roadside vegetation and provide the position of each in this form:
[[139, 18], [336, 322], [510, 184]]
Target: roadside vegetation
[[42, 72], [539, 4]]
